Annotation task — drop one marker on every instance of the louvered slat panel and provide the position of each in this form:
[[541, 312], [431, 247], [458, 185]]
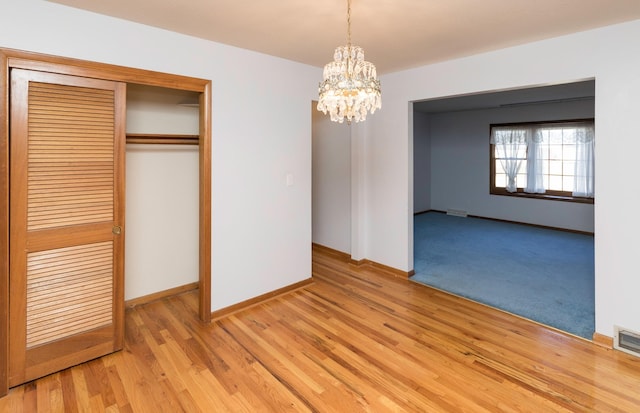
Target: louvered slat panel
[[70, 169], [79, 261], [69, 291]]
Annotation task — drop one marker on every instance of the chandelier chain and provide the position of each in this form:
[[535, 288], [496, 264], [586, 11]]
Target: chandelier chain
[[349, 23]]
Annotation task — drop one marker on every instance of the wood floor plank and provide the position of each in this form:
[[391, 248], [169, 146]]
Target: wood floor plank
[[44, 396], [357, 339], [81, 390]]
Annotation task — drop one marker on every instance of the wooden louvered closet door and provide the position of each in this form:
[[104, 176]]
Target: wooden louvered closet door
[[67, 211]]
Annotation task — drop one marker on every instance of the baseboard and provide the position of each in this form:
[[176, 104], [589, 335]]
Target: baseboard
[[358, 263], [602, 340], [160, 294], [385, 269], [344, 257], [227, 311], [424, 212], [575, 231], [339, 255]]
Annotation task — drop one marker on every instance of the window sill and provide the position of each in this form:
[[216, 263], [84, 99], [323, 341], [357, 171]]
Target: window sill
[[548, 197]]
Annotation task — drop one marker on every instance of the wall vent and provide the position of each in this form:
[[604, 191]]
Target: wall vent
[[627, 341], [456, 212]]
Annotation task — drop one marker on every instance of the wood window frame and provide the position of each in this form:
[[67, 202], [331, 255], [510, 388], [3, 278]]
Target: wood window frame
[[549, 194], [10, 58]]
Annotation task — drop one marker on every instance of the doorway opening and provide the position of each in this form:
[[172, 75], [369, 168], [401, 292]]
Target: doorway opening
[[451, 158]]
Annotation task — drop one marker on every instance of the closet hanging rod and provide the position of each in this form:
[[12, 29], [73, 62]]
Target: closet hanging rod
[[162, 139]]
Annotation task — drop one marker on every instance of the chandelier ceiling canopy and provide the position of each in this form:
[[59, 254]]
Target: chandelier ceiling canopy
[[350, 88]]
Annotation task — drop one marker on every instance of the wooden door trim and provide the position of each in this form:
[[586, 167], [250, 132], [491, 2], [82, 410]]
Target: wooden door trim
[[4, 225], [10, 58], [204, 278]]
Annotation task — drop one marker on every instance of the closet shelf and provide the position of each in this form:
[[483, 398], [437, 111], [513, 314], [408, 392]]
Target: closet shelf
[[162, 139]]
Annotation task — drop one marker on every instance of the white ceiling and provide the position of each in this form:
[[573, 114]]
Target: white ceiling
[[395, 34]]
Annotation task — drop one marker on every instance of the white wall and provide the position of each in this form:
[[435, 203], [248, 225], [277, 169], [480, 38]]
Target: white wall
[[331, 182], [421, 162], [460, 166], [161, 245], [261, 131], [611, 55]]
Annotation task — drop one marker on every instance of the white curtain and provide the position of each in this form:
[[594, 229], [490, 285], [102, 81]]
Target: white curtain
[[514, 143], [585, 162], [511, 146], [535, 175]]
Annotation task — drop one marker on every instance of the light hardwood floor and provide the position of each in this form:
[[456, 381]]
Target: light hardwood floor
[[355, 340]]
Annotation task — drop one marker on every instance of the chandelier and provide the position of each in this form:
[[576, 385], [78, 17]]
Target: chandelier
[[349, 88]]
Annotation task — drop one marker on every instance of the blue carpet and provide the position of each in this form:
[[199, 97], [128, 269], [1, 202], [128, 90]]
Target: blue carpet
[[541, 274]]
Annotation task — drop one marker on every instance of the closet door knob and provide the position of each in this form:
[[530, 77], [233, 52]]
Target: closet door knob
[[116, 230]]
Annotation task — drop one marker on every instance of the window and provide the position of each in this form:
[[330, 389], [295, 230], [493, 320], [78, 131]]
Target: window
[[553, 160]]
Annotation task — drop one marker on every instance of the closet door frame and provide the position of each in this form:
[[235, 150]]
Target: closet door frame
[[9, 59]]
